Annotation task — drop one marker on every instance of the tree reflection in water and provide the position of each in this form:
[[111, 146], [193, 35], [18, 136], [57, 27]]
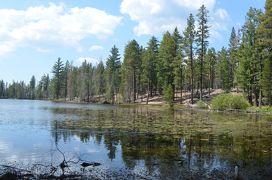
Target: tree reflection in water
[[174, 144]]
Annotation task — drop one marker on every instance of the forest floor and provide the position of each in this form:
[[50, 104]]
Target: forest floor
[[156, 100], [186, 98]]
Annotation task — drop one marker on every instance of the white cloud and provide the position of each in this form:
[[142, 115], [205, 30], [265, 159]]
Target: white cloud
[[43, 50], [91, 60], [6, 47], [222, 14], [157, 16], [195, 4], [53, 24], [138, 9], [219, 22], [96, 48]]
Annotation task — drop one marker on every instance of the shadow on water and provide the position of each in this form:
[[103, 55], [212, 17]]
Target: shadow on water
[[175, 145]]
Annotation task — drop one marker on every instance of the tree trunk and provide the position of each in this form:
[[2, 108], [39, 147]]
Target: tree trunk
[[134, 86], [148, 90], [260, 98], [192, 74], [181, 86]]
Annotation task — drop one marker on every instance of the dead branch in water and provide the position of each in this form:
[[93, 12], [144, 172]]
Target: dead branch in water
[[39, 170]]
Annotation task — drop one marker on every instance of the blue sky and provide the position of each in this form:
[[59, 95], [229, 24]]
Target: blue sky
[[34, 33]]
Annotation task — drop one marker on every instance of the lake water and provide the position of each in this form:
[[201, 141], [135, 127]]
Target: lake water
[[135, 143]]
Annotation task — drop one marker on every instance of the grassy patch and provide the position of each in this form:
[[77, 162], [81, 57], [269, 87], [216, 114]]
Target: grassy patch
[[229, 102], [263, 109], [202, 105]]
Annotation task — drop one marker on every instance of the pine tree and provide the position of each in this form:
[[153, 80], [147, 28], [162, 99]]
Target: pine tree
[[202, 42], [2, 89], [178, 64], [57, 71], [166, 57], [188, 44], [131, 70], [233, 53], [32, 85], [267, 80], [113, 66], [100, 79], [211, 62], [225, 70], [264, 46], [248, 69], [149, 67]]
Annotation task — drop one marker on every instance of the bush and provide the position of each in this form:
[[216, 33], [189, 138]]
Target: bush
[[202, 105], [229, 102]]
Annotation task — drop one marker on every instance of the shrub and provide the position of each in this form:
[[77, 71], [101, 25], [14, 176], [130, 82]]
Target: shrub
[[229, 101], [202, 105]]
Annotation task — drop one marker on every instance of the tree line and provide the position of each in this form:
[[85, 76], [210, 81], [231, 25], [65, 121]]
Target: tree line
[[181, 62]]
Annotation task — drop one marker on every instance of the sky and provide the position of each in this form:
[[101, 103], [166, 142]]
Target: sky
[[34, 33]]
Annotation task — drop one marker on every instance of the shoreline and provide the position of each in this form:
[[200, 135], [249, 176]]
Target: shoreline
[[163, 105]]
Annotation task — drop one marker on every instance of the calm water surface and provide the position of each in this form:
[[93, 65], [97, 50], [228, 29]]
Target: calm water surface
[[136, 142]]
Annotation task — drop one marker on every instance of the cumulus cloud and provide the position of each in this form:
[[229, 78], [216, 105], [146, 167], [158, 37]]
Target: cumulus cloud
[[43, 50], [219, 22], [53, 24], [195, 4], [6, 47], [157, 16], [96, 48]]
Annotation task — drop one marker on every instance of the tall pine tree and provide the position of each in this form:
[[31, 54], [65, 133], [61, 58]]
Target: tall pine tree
[[188, 45], [202, 42]]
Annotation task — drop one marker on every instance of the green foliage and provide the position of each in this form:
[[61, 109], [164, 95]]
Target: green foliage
[[166, 55], [211, 63], [229, 102], [113, 74], [263, 109], [202, 105], [100, 79], [58, 72], [168, 95], [178, 63], [233, 55], [131, 70], [249, 69], [225, 70], [32, 85], [149, 69], [201, 39], [188, 47], [267, 80]]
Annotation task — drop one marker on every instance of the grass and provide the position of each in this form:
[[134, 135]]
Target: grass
[[263, 109], [202, 105], [229, 102]]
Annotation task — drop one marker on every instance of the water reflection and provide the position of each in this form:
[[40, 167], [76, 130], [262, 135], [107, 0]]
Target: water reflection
[[174, 144], [155, 143]]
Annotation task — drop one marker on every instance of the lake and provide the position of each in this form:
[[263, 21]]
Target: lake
[[134, 143]]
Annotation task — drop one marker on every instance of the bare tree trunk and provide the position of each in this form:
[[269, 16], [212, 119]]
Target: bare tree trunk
[[192, 74], [134, 86], [148, 91]]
